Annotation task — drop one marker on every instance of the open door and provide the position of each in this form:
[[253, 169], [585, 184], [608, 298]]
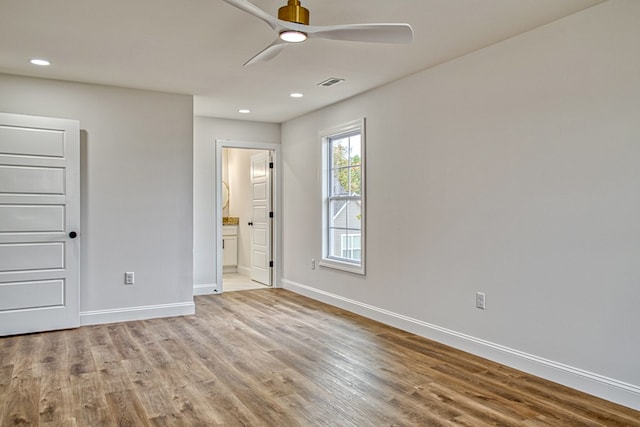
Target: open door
[[39, 224], [262, 217]]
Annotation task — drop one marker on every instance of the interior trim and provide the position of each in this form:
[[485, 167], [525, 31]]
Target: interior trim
[[127, 314], [205, 289]]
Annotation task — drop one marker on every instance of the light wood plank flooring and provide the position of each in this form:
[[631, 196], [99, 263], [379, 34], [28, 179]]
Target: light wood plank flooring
[[272, 358]]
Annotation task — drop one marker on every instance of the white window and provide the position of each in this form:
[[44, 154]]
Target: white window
[[343, 198]]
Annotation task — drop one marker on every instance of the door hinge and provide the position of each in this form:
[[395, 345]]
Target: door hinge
[[270, 165], [271, 264], [270, 214]]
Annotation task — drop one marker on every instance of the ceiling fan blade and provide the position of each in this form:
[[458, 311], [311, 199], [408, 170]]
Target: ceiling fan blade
[[254, 10], [268, 53], [369, 33]]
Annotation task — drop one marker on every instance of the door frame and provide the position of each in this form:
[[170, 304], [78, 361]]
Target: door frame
[[276, 205]]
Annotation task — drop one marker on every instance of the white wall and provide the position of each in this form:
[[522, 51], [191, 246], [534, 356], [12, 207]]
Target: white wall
[[136, 154], [513, 171], [206, 130]]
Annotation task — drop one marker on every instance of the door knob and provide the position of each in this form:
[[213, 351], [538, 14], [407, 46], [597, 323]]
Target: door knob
[[250, 223], [73, 234]]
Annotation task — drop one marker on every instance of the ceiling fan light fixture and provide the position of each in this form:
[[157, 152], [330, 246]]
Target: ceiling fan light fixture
[[291, 36], [292, 26], [294, 12]]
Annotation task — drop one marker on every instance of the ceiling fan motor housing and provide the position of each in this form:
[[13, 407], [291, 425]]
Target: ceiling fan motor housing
[[294, 12]]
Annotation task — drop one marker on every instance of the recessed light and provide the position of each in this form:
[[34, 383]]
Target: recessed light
[[244, 111], [41, 62], [296, 95]]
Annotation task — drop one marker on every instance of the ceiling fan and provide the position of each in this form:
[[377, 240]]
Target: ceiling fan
[[292, 26]]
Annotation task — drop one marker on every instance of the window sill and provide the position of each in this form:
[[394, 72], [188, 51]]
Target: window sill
[[343, 266]]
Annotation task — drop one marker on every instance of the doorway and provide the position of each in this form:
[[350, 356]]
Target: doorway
[[247, 220]]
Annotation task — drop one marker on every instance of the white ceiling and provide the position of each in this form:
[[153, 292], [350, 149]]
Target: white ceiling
[[198, 46]]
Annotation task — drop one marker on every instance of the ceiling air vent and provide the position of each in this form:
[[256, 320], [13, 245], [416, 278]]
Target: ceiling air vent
[[332, 81]]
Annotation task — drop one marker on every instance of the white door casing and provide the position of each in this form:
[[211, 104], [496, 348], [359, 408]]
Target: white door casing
[[260, 217], [39, 224], [275, 150]]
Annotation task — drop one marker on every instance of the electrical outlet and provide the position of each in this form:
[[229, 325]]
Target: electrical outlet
[[480, 300], [313, 264], [129, 278]]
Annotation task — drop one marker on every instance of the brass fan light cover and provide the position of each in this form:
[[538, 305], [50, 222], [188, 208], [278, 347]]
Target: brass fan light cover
[[294, 12]]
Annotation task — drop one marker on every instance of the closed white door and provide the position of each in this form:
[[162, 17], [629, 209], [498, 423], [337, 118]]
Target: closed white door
[[39, 224], [260, 212]]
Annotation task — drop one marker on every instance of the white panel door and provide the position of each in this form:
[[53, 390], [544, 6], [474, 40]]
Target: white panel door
[[260, 209], [39, 224]]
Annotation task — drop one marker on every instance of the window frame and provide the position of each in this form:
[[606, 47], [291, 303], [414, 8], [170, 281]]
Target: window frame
[[326, 137]]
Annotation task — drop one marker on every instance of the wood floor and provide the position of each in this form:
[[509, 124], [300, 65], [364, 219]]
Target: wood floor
[[272, 358]]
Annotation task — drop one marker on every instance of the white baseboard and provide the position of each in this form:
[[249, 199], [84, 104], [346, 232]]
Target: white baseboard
[[245, 271], [128, 314], [588, 382], [205, 289]]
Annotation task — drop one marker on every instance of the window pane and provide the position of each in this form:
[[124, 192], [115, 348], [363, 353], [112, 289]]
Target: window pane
[[354, 180], [340, 150], [335, 242], [346, 181], [345, 165], [355, 246], [353, 215], [349, 246], [340, 182], [355, 153], [337, 210]]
